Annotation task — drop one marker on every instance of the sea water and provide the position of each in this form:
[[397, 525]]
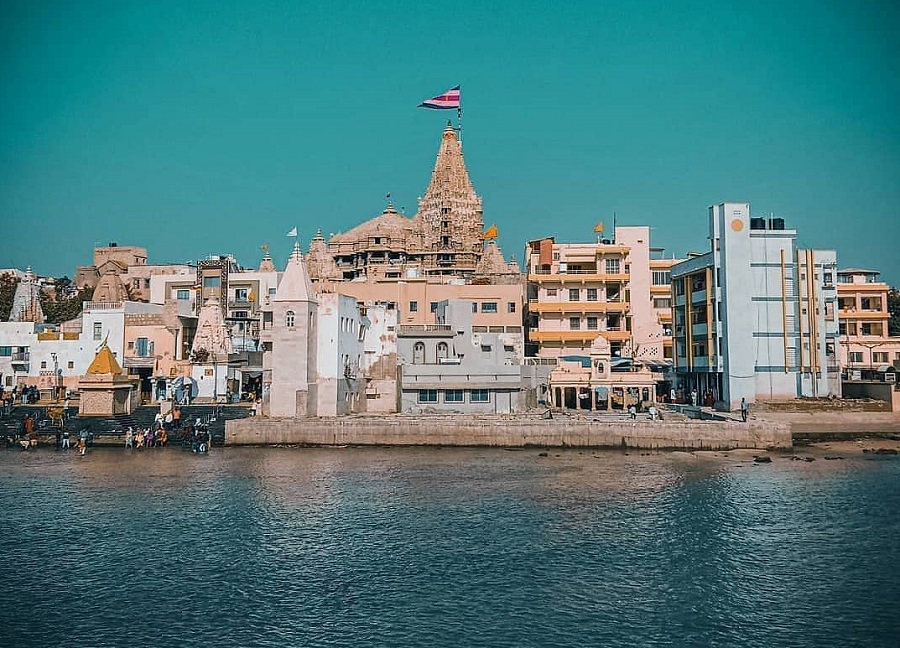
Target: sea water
[[446, 547]]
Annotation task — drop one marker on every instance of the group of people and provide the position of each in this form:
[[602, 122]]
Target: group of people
[[26, 394], [146, 438], [192, 435]]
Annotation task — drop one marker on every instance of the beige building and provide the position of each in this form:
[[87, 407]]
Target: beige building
[[865, 346], [121, 272], [412, 264], [619, 289]]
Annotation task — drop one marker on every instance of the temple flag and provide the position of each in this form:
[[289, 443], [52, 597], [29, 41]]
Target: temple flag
[[598, 228], [293, 232], [490, 233], [446, 101]]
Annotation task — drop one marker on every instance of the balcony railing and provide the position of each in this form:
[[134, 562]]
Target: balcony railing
[[22, 356]]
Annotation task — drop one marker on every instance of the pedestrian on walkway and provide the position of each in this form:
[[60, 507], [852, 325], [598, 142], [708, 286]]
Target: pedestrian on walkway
[[632, 412], [745, 409], [66, 444]]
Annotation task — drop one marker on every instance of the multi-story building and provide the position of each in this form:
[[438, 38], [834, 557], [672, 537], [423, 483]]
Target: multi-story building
[[449, 367], [618, 289], [755, 317], [866, 347], [340, 384]]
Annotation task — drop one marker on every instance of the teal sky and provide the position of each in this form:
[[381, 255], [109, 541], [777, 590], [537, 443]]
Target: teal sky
[[195, 128]]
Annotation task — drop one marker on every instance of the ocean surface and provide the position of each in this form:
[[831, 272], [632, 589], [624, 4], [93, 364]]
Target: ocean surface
[[446, 547]]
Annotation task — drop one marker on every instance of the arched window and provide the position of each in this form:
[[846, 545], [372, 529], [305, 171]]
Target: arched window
[[419, 353], [289, 319], [442, 350]]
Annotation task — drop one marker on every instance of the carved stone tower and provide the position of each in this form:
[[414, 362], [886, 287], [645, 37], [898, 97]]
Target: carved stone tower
[[450, 214]]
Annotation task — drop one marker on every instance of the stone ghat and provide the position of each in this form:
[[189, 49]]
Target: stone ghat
[[509, 432]]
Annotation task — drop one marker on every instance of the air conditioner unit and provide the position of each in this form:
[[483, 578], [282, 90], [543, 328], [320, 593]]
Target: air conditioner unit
[[448, 361]]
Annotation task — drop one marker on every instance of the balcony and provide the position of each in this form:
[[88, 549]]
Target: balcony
[[619, 306], [577, 276], [426, 330], [582, 335], [22, 357], [139, 362]]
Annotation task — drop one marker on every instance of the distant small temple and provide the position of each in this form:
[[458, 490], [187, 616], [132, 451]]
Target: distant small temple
[[105, 390]]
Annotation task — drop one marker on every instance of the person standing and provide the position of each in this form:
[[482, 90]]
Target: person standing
[[694, 397], [632, 412], [66, 444], [745, 409], [129, 438]]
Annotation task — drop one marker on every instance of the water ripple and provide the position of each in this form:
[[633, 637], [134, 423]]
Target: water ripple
[[319, 547]]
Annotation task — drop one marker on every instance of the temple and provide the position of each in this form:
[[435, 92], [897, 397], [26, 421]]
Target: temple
[[445, 238]]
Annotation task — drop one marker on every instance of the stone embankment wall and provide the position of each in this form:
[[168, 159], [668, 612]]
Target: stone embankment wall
[[508, 432], [819, 405]]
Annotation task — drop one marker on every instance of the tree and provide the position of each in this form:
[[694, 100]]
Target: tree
[[65, 303], [8, 283], [893, 304]]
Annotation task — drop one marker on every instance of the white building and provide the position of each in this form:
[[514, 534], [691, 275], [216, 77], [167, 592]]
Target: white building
[[32, 353], [755, 317], [290, 343], [342, 329]]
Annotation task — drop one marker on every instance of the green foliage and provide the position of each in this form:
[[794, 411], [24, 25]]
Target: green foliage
[[893, 304], [8, 283], [63, 305]]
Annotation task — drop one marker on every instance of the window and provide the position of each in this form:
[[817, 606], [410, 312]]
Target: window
[[662, 277], [182, 293], [453, 396], [289, 319], [428, 395], [574, 294], [413, 307], [866, 328], [5, 351], [474, 307], [211, 282], [479, 396], [433, 306], [699, 349], [273, 290], [879, 356], [556, 256], [551, 292], [662, 302], [856, 356], [510, 307], [142, 347], [241, 314], [488, 307], [509, 348], [574, 323], [43, 364], [442, 350], [679, 286], [240, 294], [98, 331], [419, 353], [71, 365], [592, 323], [612, 266], [592, 294], [486, 348]]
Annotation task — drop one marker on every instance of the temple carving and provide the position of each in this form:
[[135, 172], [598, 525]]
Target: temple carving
[[444, 238]]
